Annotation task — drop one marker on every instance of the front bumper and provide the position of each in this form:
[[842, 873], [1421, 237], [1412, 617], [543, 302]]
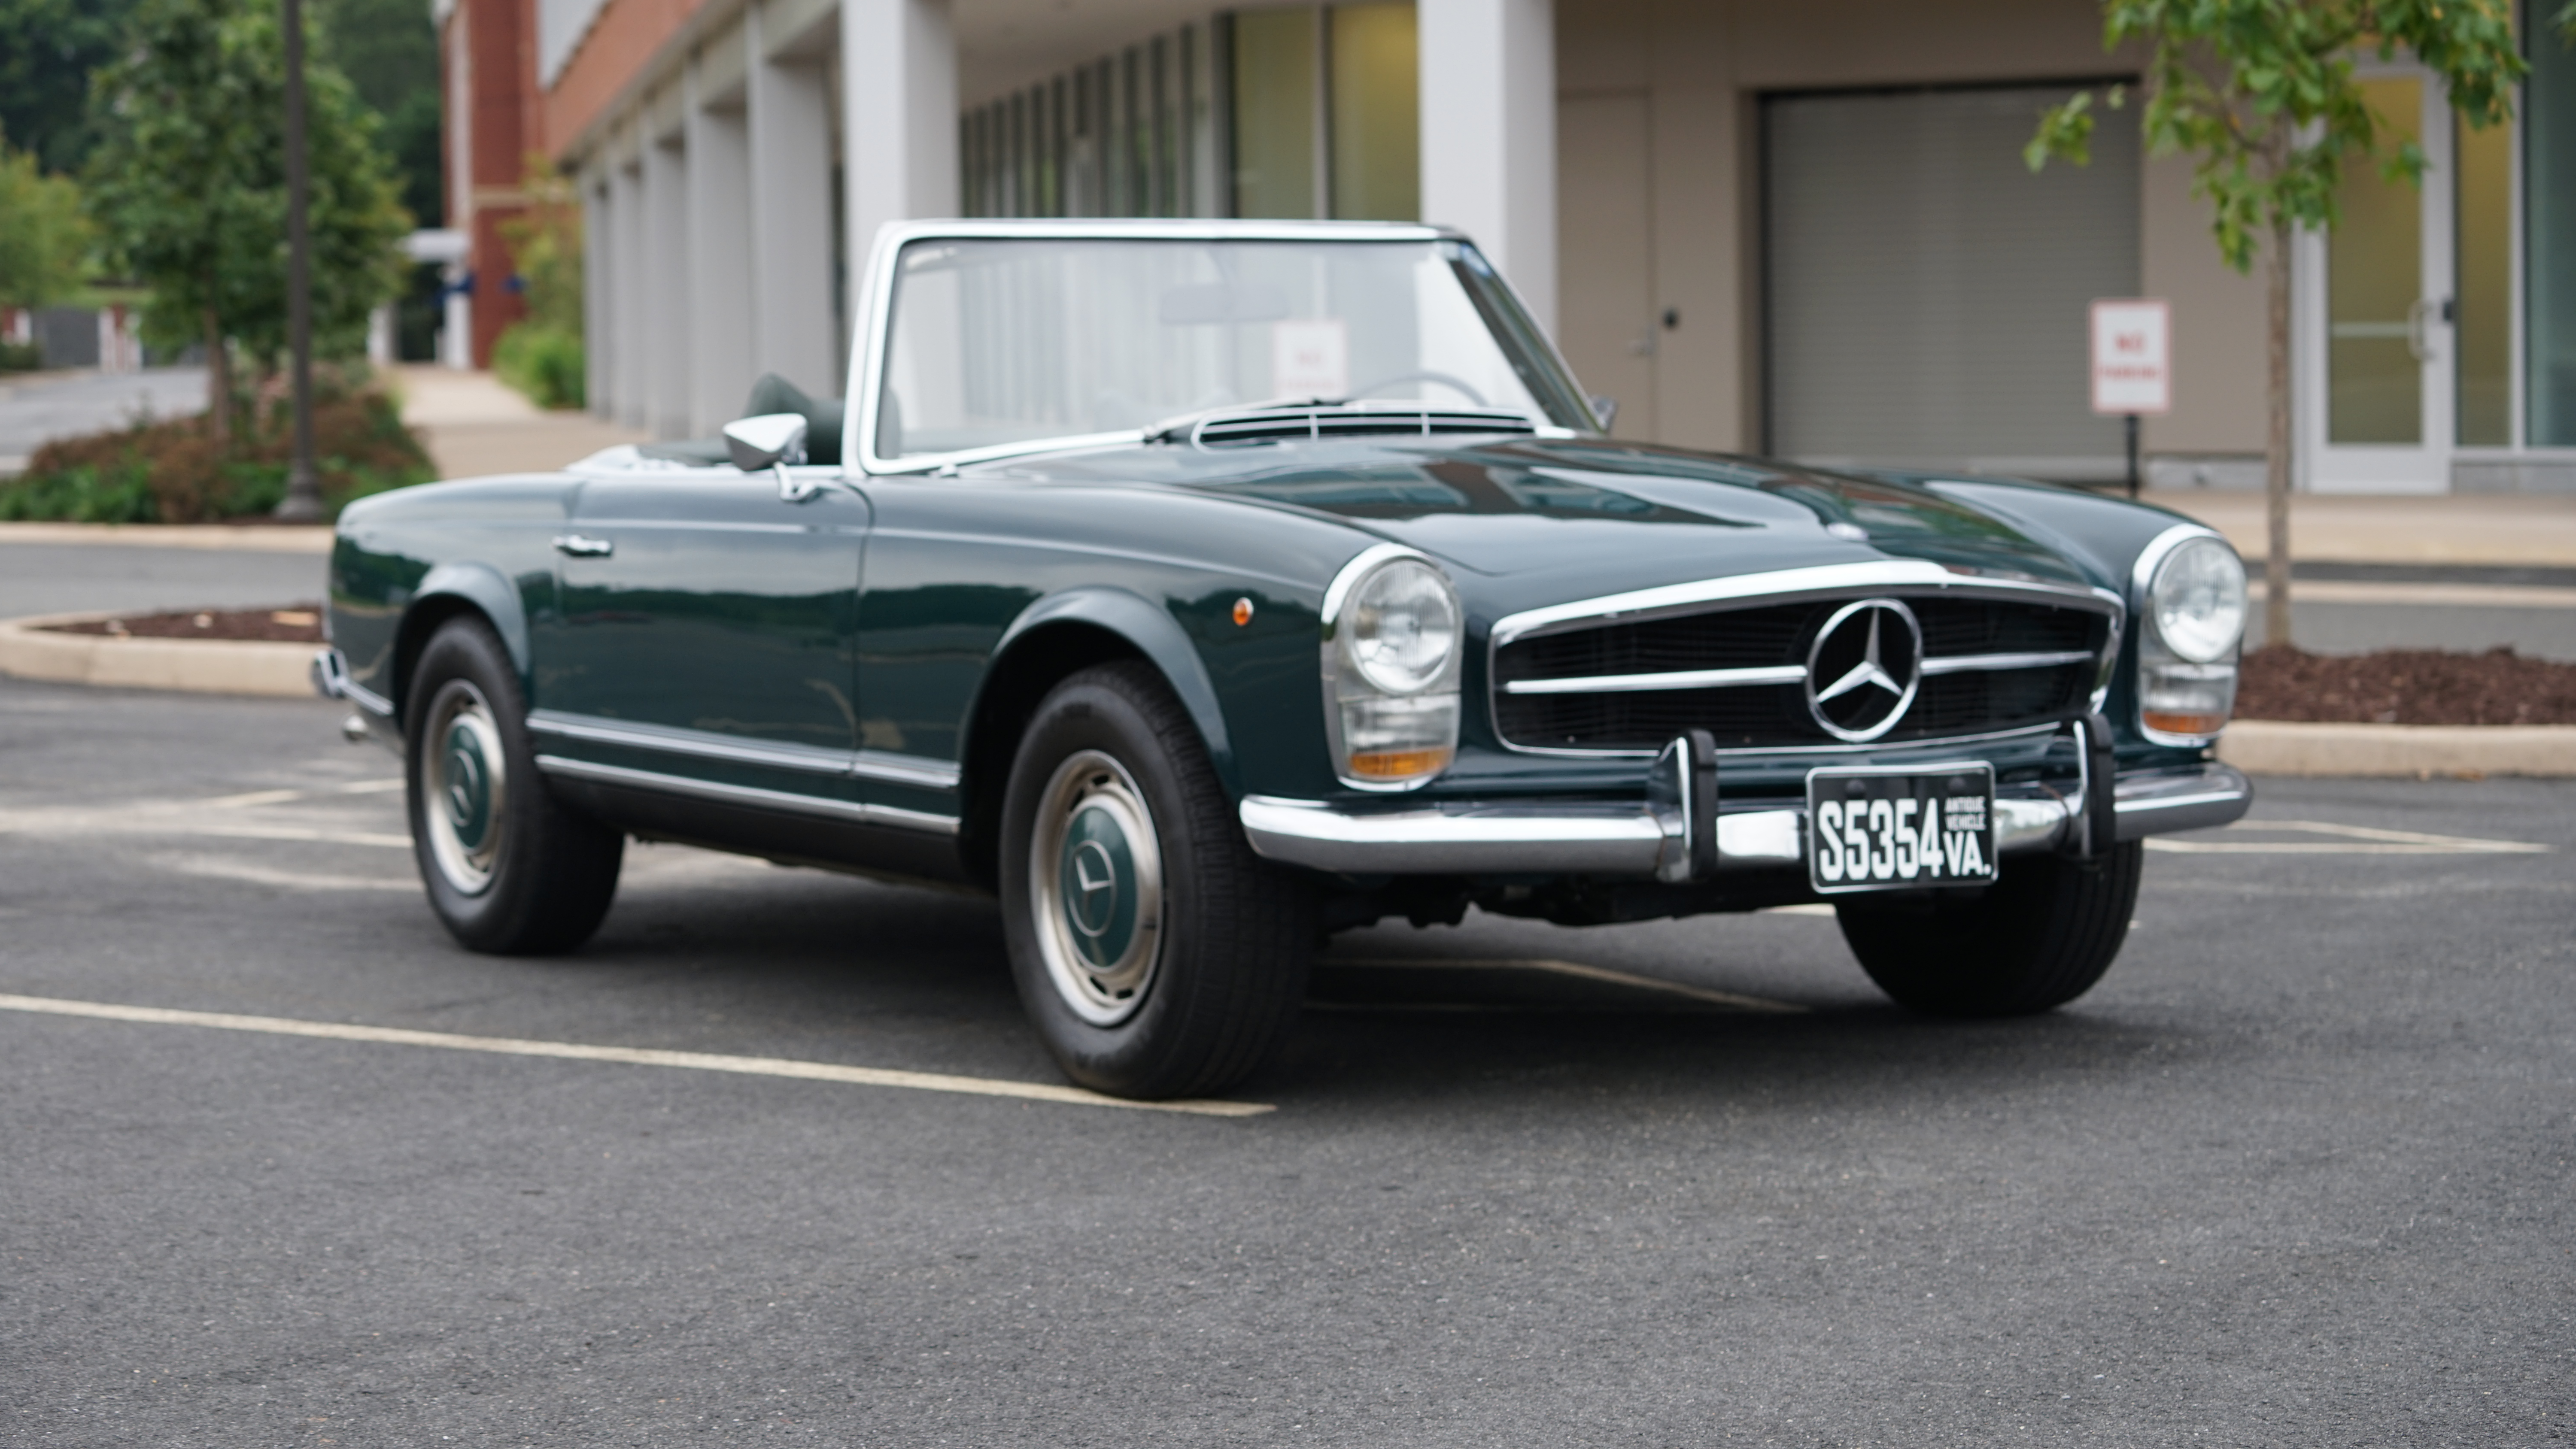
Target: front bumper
[[1618, 839]]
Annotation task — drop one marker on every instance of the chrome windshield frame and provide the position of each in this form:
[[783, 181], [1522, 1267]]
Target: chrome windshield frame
[[868, 359]]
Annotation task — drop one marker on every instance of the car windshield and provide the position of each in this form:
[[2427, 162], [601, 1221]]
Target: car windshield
[[1006, 341]]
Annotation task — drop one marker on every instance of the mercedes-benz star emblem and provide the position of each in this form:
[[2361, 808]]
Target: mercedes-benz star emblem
[[1863, 669], [1096, 877]]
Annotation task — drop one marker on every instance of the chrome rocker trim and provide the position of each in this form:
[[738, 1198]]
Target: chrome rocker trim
[[857, 812], [1616, 839]]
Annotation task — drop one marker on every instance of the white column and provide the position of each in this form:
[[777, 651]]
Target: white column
[[666, 264], [791, 217], [899, 118], [629, 393], [1489, 135], [598, 293], [720, 299]]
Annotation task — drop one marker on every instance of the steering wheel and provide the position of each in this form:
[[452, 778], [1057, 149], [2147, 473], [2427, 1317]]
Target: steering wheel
[[1444, 379]]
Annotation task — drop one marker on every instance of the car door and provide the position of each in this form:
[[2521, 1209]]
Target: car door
[[706, 628]]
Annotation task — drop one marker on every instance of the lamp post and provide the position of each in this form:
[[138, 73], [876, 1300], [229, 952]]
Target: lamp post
[[303, 501]]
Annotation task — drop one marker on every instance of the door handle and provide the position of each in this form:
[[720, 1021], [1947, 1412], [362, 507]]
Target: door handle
[[580, 546], [2419, 336]]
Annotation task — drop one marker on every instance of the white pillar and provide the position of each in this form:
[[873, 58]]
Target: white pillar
[[628, 390], [791, 216], [1489, 135], [456, 338], [666, 265], [720, 299], [899, 118], [598, 293]]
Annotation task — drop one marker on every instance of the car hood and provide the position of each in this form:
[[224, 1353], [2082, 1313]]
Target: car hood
[[1579, 517]]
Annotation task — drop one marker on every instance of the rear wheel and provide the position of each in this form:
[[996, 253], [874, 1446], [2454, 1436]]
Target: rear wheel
[[1155, 953], [508, 870], [2036, 939]]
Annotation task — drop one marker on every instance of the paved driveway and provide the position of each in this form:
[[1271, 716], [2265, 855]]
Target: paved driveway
[[2297, 1173], [36, 411]]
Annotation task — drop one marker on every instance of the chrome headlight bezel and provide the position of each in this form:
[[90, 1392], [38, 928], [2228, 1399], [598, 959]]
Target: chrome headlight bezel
[[2186, 690], [1388, 739]]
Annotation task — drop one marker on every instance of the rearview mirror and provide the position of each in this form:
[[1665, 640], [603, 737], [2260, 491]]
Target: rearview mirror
[[766, 441]]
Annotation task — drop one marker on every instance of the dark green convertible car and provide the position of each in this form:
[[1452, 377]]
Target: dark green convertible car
[[1203, 588]]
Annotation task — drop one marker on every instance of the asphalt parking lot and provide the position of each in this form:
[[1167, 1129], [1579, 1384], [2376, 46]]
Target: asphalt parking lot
[[2298, 1172]]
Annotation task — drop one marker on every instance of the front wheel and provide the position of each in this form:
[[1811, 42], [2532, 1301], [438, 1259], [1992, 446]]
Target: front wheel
[[509, 871], [1155, 953], [2036, 939]]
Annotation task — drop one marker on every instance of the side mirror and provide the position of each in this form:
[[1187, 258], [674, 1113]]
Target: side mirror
[[766, 441]]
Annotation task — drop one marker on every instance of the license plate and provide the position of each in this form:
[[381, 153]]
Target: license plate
[[1900, 827]]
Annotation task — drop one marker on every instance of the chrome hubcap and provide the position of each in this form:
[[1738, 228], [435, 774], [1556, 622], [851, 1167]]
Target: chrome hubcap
[[1096, 872], [464, 789]]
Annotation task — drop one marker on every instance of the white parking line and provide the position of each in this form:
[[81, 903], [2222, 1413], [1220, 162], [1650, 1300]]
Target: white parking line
[[630, 1056], [2350, 840]]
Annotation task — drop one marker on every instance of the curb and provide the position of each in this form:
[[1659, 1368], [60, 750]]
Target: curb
[[207, 666], [2413, 752], [218, 537]]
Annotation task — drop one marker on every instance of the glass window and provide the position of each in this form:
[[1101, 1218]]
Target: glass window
[[1275, 85], [2549, 251], [997, 342], [1377, 126], [2484, 289], [2374, 277]]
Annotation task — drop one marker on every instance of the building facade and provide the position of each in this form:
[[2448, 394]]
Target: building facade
[[1800, 229]]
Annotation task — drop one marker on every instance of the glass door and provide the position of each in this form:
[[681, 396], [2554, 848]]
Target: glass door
[[2405, 307]]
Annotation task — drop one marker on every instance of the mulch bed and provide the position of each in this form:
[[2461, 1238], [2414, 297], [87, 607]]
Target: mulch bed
[[294, 624], [2406, 686]]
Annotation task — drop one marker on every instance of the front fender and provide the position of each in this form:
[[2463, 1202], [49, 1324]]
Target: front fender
[[1156, 635], [482, 586]]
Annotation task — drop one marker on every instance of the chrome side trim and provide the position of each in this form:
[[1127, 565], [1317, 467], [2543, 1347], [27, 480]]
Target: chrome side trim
[[330, 674], [855, 812], [1978, 663], [881, 765], [1858, 579], [1676, 679]]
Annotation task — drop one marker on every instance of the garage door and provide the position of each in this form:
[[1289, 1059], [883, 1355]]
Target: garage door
[[1926, 296]]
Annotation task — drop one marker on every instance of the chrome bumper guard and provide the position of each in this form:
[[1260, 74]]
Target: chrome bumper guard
[[1614, 839]]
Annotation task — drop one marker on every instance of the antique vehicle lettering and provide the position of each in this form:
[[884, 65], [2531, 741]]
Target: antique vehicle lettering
[[1200, 588]]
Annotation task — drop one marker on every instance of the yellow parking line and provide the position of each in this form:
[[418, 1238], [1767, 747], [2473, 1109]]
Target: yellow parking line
[[2350, 840], [631, 1056], [1570, 968]]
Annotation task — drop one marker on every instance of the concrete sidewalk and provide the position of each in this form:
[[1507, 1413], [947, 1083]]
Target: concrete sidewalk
[[473, 424], [2493, 529]]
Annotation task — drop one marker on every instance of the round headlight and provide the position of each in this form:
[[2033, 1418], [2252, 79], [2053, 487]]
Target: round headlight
[[2197, 600], [1403, 625]]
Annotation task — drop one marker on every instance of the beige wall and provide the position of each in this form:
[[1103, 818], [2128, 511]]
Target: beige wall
[[1696, 69]]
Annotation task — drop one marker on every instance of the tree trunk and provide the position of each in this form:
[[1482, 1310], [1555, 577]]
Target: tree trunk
[[219, 382], [2276, 473]]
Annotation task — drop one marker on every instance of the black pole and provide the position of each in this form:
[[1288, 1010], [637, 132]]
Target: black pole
[[2133, 434], [303, 501]]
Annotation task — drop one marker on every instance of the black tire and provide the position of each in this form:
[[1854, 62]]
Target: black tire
[[1193, 986], [2035, 940], [509, 871]]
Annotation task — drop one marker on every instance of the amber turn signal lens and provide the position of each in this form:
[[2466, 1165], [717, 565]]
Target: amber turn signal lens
[[1242, 612], [2184, 724], [1399, 764]]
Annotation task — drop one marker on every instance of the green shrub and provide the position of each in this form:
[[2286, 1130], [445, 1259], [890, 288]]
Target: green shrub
[[545, 363], [176, 472], [21, 357]]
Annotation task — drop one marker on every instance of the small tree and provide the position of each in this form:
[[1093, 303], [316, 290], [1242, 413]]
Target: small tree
[[541, 354], [2261, 95], [44, 238], [188, 185]]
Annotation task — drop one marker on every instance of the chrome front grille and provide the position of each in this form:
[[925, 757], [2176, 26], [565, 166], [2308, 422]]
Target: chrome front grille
[[1989, 663]]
